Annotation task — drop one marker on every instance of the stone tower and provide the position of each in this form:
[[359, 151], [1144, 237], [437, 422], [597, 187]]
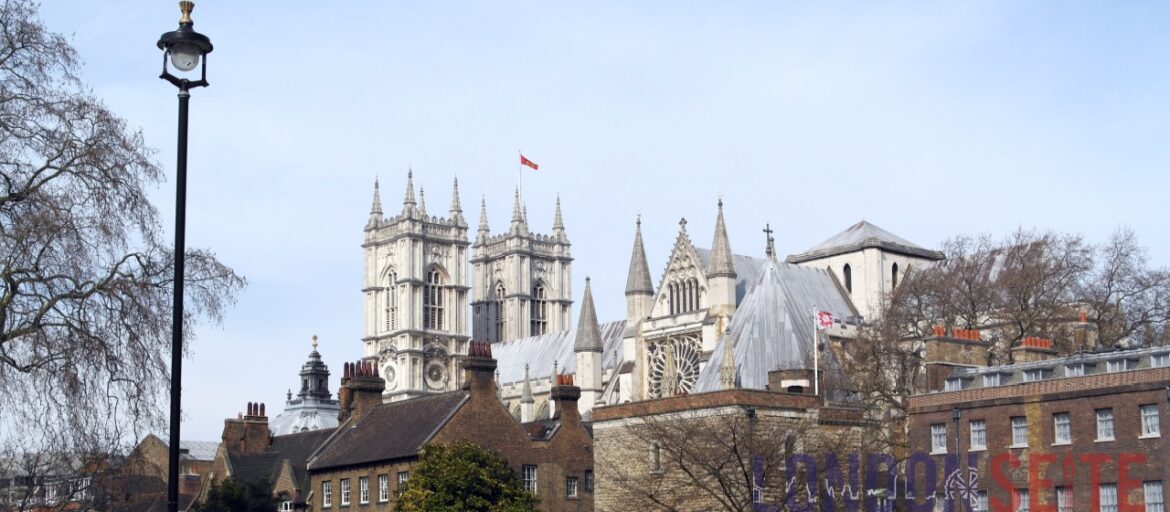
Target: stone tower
[[523, 281], [415, 289]]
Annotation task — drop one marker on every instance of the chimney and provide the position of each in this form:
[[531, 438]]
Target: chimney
[[344, 396], [249, 433], [480, 368], [1033, 348], [565, 396], [363, 389]]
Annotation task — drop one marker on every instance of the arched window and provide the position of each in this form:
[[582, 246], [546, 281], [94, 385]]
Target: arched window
[[433, 301], [499, 306], [673, 290], [391, 302], [894, 276], [690, 302], [539, 312], [694, 294], [848, 272]]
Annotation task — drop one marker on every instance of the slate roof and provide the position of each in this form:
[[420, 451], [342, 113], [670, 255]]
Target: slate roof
[[198, 450], [539, 352], [861, 236], [390, 431], [773, 325], [264, 466]]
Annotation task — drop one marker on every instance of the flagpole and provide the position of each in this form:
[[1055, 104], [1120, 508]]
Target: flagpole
[[816, 355], [520, 174]]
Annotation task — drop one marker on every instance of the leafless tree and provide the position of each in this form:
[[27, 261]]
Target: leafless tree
[[85, 277], [715, 459]]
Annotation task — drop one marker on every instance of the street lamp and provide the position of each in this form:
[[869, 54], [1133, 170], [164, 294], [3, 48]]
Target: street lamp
[[185, 48], [955, 415]]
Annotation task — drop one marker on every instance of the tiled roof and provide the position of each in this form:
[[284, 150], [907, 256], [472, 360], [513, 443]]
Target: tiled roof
[[860, 236], [199, 450], [389, 431], [295, 448]]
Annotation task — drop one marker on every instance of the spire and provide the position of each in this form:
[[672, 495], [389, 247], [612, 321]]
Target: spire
[[721, 264], [456, 208], [526, 390], [519, 218], [516, 215], [422, 202], [408, 203], [524, 213], [588, 332], [727, 369], [638, 280], [376, 208], [483, 223], [558, 222]]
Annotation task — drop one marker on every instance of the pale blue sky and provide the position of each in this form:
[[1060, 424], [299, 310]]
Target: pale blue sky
[[928, 119]]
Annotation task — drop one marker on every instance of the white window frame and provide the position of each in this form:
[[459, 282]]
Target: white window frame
[[1024, 501], [1064, 499], [1151, 418], [1019, 431], [978, 435], [1117, 365], [991, 380], [383, 488], [1059, 420], [1152, 494], [345, 492], [403, 476], [1033, 375], [1160, 361], [327, 494], [286, 506], [938, 438], [529, 475], [570, 487], [981, 503], [1104, 425], [1107, 494], [364, 490], [1074, 370], [953, 384]]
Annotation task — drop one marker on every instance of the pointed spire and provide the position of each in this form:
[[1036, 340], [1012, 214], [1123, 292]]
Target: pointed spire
[[727, 369], [638, 280], [456, 208], [516, 214], [524, 214], [588, 332], [721, 264], [422, 202], [558, 221], [408, 202], [526, 390], [770, 250], [376, 208]]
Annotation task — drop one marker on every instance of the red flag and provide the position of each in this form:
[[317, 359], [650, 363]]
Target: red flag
[[824, 319], [530, 163]]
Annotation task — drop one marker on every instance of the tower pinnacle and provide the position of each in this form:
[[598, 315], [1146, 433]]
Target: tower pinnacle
[[721, 263], [408, 202]]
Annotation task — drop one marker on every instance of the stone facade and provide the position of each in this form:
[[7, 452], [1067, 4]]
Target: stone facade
[[416, 295]]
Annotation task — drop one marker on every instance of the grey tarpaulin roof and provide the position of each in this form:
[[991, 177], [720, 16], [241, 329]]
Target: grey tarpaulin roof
[[539, 352], [773, 324], [747, 269]]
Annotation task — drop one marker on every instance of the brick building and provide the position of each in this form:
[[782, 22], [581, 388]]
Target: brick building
[[377, 444], [1075, 433]]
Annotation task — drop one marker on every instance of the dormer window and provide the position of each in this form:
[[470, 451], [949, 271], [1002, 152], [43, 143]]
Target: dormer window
[[1159, 360], [1118, 365], [1075, 370], [1033, 375], [953, 384], [992, 380]]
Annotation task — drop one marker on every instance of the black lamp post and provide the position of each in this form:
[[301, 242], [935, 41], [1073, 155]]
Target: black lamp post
[[185, 48], [955, 415]]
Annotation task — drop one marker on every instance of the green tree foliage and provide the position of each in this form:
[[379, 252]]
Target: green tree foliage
[[463, 477], [231, 496]]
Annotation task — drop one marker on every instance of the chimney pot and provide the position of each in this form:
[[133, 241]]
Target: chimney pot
[[250, 411], [262, 410]]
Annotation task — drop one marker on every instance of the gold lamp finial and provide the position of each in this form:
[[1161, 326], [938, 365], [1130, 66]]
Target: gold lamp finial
[[314, 342], [186, 7]]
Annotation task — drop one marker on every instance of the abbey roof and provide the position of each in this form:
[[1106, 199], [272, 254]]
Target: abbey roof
[[863, 235]]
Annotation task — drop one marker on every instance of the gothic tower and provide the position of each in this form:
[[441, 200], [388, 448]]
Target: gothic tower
[[416, 288], [522, 279]]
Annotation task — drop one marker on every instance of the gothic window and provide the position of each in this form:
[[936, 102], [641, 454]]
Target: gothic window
[[433, 301], [848, 272], [499, 305], [683, 296], [894, 276], [539, 313], [391, 302], [694, 294], [673, 292]]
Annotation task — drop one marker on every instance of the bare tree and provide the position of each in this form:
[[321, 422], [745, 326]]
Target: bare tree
[[722, 458], [85, 279]]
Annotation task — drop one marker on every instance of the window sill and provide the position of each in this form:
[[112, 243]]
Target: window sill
[[1155, 435], [938, 452], [1104, 440], [1017, 446], [1062, 443], [977, 449]]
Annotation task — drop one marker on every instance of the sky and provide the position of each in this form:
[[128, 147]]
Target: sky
[[928, 119]]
